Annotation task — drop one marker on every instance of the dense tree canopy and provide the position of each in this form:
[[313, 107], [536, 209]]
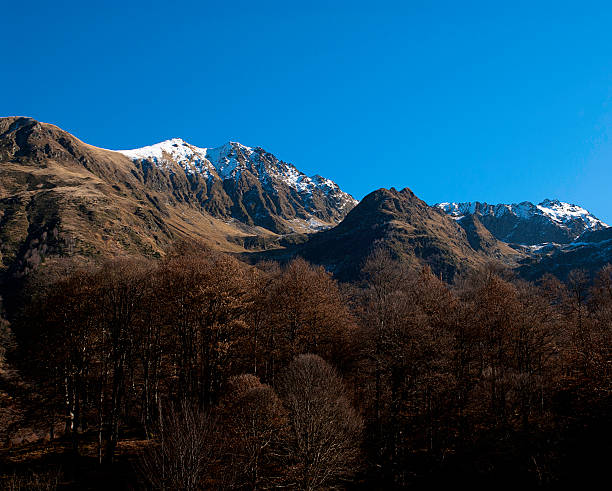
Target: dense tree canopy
[[277, 376]]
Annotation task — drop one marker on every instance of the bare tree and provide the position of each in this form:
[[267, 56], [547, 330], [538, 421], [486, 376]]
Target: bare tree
[[602, 346], [120, 298], [382, 307], [306, 314], [182, 456], [65, 322], [47, 480], [204, 304], [325, 431], [255, 426]]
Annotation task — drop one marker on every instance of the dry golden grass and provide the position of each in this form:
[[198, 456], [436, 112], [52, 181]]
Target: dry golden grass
[[94, 203]]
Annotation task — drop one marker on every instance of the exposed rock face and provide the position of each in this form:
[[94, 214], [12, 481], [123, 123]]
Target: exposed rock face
[[60, 196], [527, 223], [555, 237], [590, 252], [250, 185]]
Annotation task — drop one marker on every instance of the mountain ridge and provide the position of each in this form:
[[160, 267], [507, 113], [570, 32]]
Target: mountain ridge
[[313, 202], [412, 231], [60, 196], [527, 223]]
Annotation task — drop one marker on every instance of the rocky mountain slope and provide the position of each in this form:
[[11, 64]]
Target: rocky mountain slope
[[250, 185], [526, 223], [589, 252], [414, 232], [60, 196]]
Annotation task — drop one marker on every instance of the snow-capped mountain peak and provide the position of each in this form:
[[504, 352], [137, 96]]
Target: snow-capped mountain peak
[[226, 161], [175, 147], [562, 212], [232, 160], [556, 210], [191, 158], [527, 223]]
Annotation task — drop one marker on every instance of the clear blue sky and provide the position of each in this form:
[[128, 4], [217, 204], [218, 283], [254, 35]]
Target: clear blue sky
[[495, 101]]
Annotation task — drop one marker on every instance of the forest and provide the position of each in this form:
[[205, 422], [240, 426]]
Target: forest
[[198, 371]]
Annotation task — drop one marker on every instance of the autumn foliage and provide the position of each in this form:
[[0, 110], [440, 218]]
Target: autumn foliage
[[276, 376]]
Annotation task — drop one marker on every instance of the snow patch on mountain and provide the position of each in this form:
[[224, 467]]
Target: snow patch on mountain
[[228, 160], [562, 212], [555, 210], [191, 158]]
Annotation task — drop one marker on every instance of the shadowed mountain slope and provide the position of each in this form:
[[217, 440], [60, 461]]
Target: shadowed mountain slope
[[61, 196], [412, 231], [590, 252], [527, 223], [250, 185]]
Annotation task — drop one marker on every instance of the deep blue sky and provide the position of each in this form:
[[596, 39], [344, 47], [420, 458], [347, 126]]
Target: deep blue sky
[[495, 101]]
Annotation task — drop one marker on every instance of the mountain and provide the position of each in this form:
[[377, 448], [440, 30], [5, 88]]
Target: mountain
[[250, 185], [412, 231], [526, 223], [478, 235], [590, 252], [60, 196]]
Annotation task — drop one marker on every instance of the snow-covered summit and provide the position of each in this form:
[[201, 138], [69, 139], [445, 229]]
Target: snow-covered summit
[[230, 159], [259, 182], [191, 158], [556, 210], [529, 223], [562, 212], [176, 148]]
